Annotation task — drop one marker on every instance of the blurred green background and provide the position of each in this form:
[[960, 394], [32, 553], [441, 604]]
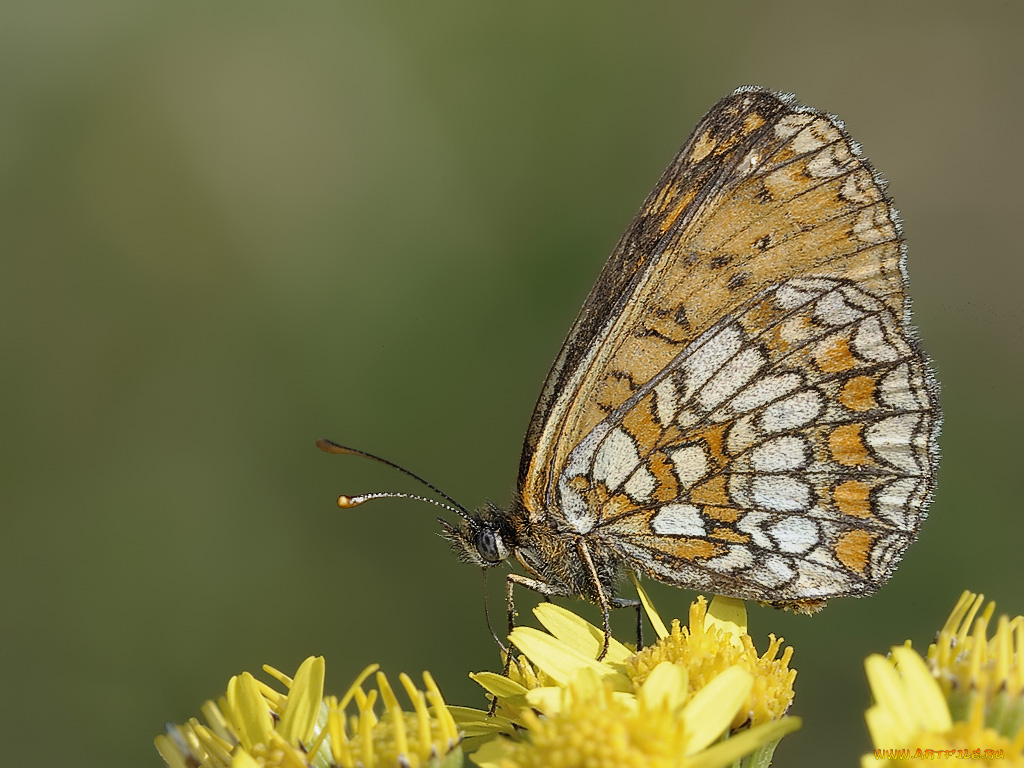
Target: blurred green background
[[231, 228]]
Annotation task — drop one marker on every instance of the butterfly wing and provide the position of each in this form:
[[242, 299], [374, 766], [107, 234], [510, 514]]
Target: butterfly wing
[[739, 405]]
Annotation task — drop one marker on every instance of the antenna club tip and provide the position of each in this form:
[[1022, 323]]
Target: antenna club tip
[[347, 502], [327, 446]]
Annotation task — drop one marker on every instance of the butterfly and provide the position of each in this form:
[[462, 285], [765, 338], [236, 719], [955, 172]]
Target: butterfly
[[741, 405]]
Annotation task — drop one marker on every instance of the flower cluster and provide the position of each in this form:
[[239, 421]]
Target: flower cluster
[[254, 725], [700, 695], [962, 700]]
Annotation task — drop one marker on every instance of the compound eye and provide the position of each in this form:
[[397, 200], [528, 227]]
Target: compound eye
[[490, 546]]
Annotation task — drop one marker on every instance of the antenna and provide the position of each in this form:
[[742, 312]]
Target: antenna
[[347, 502]]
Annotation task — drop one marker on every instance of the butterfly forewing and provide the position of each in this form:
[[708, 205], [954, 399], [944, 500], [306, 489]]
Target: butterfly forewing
[[692, 179], [740, 405]]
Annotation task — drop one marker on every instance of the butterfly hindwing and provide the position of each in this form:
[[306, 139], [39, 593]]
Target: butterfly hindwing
[[785, 456]]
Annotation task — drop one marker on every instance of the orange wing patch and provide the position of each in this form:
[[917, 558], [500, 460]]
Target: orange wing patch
[[852, 497], [858, 394], [853, 549], [835, 356], [847, 446]]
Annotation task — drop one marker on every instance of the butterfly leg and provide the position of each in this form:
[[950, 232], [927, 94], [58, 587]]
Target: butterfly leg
[[622, 602], [544, 589], [602, 598]]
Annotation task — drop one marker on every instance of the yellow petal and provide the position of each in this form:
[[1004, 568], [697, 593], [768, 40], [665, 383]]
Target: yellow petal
[[355, 689], [729, 615], [492, 754], [217, 751], [304, 699], [892, 700], [665, 686], [242, 759], [169, 751], [250, 713], [880, 728], [931, 708], [475, 722], [585, 686], [548, 700], [497, 684], [712, 708], [560, 662], [652, 615], [743, 743], [578, 633], [394, 710], [967, 599]]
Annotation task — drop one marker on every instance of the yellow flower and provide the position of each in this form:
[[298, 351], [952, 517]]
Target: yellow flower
[[589, 723], [964, 701], [714, 640], [547, 663], [557, 675], [255, 725], [970, 667]]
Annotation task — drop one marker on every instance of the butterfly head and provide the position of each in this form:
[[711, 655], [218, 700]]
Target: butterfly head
[[484, 538]]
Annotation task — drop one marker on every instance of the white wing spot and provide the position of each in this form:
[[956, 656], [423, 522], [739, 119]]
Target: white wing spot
[[641, 484], [679, 520], [781, 493], [734, 559], [772, 571], [873, 226], [749, 163], [779, 568], [741, 435], [795, 411], [815, 580], [869, 342], [688, 417], [860, 188], [711, 356], [798, 329], [666, 400], [807, 141], [834, 310], [733, 375], [827, 163], [780, 454], [751, 524], [765, 390], [795, 535], [897, 390], [892, 440], [897, 503], [691, 465], [616, 459], [789, 297], [791, 124]]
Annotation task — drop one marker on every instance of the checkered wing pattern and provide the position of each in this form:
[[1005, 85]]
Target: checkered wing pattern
[[740, 405]]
